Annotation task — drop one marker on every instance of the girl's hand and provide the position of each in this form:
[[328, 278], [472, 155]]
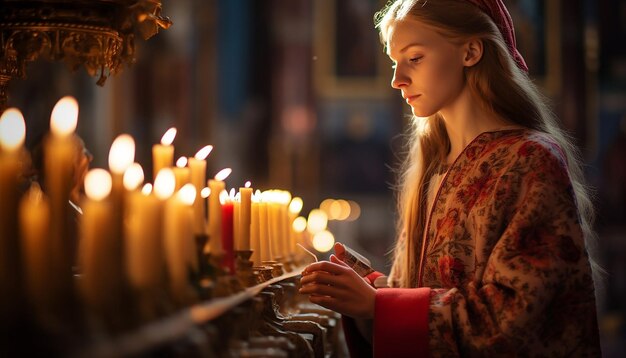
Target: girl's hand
[[338, 287]]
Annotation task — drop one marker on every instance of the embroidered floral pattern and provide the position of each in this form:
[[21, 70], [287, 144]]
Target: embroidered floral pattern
[[505, 254]]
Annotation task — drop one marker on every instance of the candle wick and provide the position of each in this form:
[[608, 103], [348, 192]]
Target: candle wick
[[309, 252]]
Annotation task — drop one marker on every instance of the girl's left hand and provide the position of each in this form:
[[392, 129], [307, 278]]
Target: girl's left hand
[[338, 287]]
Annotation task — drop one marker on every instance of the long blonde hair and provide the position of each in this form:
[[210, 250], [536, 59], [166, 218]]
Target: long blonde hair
[[501, 87]]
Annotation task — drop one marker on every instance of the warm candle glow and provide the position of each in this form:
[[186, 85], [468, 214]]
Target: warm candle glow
[[122, 153], [187, 194], [355, 210], [296, 205], [168, 137], [147, 189], [323, 241], [164, 184], [204, 152], [205, 192], [247, 184], [231, 194], [223, 174], [181, 162], [133, 177], [318, 221], [12, 129], [223, 197], [98, 184], [299, 224], [64, 116]]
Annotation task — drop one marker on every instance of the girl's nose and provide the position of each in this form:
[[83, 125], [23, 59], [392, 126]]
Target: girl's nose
[[399, 80]]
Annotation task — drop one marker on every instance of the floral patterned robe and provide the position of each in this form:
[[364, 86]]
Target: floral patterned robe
[[504, 270]]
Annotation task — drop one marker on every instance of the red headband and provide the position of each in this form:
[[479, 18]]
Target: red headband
[[500, 15]]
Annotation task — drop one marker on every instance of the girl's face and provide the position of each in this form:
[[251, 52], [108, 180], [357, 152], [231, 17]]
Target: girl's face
[[428, 68]]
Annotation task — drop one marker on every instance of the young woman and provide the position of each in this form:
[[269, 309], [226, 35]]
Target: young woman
[[494, 218]]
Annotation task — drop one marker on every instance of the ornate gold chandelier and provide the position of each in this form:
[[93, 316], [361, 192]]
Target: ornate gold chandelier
[[98, 35]]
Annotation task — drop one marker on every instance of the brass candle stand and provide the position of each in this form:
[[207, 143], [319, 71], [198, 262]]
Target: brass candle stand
[[277, 267], [243, 268]]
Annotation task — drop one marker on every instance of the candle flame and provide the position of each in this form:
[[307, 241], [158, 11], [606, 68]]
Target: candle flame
[[98, 184], [323, 241], [231, 194], [164, 184], [318, 221], [35, 195], [223, 197], [181, 162], [296, 205], [64, 116], [299, 224], [147, 189], [204, 152], [205, 192], [133, 177], [247, 184], [12, 129], [168, 137], [121, 154], [223, 174], [187, 194]]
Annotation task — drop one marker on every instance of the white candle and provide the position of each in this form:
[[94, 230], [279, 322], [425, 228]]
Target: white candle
[[143, 240], [12, 133], [179, 241], [181, 172], [97, 258], [216, 186], [61, 151], [245, 216], [163, 154], [255, 231], [34, 216], [197, 167], [264, 237]]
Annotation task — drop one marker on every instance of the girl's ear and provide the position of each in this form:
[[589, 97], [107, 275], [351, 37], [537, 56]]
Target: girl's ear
[[473, 52]]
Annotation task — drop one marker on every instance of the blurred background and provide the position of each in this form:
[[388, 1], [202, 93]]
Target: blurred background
[[294, 94]]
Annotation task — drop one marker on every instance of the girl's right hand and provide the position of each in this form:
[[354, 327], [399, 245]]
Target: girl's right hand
[[340, 251]]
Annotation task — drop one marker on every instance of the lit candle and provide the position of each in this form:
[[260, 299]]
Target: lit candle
[[264, 229], [295, 206], [227, 231], [61, 150], [34, 216], [97, 258], [121, 157], [133, 177], [163, 154], [245, 216], [236, 199], [12, 133], [216, 187], [255, 231], [178, 242], [143, 244], [273, 216], [197, 167], [181, 172]]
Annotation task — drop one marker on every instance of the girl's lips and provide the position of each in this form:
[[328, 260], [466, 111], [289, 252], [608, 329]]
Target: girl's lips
[[411, 98]]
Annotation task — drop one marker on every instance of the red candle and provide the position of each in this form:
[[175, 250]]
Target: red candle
[[227, 235]]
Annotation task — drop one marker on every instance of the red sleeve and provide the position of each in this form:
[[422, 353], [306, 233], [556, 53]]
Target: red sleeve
[[401, 322]]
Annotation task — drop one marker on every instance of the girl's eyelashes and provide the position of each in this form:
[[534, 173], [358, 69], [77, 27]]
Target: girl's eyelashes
[[415, 59]]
